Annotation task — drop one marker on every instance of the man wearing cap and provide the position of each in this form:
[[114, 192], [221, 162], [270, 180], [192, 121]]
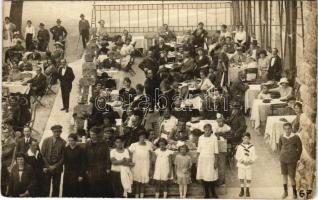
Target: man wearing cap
[[53, 152], [58, 53], [59, 32], [66, 77], [83, 26], [43, 38]]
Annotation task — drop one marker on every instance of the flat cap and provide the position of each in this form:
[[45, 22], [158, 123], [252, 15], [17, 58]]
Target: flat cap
[[56, 127]]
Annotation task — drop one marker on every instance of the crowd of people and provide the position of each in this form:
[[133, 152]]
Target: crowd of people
[[104, 160]]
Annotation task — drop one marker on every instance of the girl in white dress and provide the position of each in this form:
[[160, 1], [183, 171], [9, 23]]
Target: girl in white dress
[[163, 167], [208, 161], [141, 154]]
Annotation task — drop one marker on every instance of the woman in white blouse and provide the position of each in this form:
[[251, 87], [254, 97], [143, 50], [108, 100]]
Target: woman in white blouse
[[240, 35], [284, 89], [29, 35], [206, 83], [263, 64]]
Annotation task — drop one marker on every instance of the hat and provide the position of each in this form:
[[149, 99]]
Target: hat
[[283, 80], [101, 21], [254, 42], [41, 24], [19, 40], [58, 44], [267, 83], [58, 21], [82, 15], [239, 48], [56, 127]]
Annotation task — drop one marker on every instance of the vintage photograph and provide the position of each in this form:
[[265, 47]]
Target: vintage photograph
[[159, 99]]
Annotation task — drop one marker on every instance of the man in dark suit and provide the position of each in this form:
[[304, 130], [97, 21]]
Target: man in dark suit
[[38, 83], [23, 144], [66, 77], [53, 153], [275, 66]]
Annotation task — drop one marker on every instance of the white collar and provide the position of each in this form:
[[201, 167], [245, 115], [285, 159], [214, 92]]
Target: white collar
[[290, 136], [30, 153]]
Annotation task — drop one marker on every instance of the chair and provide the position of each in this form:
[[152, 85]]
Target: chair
[[33, 117], [49, 85], [275, 108], [129, 68], [251, 74]]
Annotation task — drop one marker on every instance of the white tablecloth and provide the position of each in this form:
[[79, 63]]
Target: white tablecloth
[[197, 102], [234, 70], [15, 87], [250, 95], [140, 41], [261, 110], [274, 129]]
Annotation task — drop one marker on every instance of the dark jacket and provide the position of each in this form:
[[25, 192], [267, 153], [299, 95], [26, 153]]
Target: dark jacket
[[150, 63], [97, 161], [275, 70], [7, 152], [238, 89], [83, 26], [238, 124], [66, 79], [199, 38], [46, 151], [37, 164], [22, 146], [38, 84], [27, 183], [57, 32], [74, 167], [290, 149], [43, 35]]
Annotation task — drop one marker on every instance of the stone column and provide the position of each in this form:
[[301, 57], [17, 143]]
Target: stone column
[[306, 76]]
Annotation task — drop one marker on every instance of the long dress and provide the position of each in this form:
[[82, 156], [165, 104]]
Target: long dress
[[183, 166], [162, 164], [207, 148], [141, 158]]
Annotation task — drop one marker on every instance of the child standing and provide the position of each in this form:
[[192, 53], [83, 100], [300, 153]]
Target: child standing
[[141, 156], [163, 167], [290, 150], [245, 156], [183, 165]]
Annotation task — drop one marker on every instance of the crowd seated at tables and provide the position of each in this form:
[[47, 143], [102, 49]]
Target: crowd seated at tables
[[181, 93]]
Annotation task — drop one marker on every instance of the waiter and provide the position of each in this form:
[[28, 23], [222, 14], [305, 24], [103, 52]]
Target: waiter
[[84, 30], [66, 77], [59, 32]]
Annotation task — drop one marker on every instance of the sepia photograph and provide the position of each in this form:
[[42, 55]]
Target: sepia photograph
[[159, 99]]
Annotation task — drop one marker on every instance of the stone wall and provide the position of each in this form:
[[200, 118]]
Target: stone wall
[[306, 76]]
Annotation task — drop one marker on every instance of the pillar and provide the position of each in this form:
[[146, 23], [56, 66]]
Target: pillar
[[306, 76]]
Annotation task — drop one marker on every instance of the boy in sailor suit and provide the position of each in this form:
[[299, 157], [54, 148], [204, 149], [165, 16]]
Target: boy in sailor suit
[[245, 156]]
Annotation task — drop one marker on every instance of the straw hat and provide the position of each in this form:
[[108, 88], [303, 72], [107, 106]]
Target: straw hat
[[283, 80]]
